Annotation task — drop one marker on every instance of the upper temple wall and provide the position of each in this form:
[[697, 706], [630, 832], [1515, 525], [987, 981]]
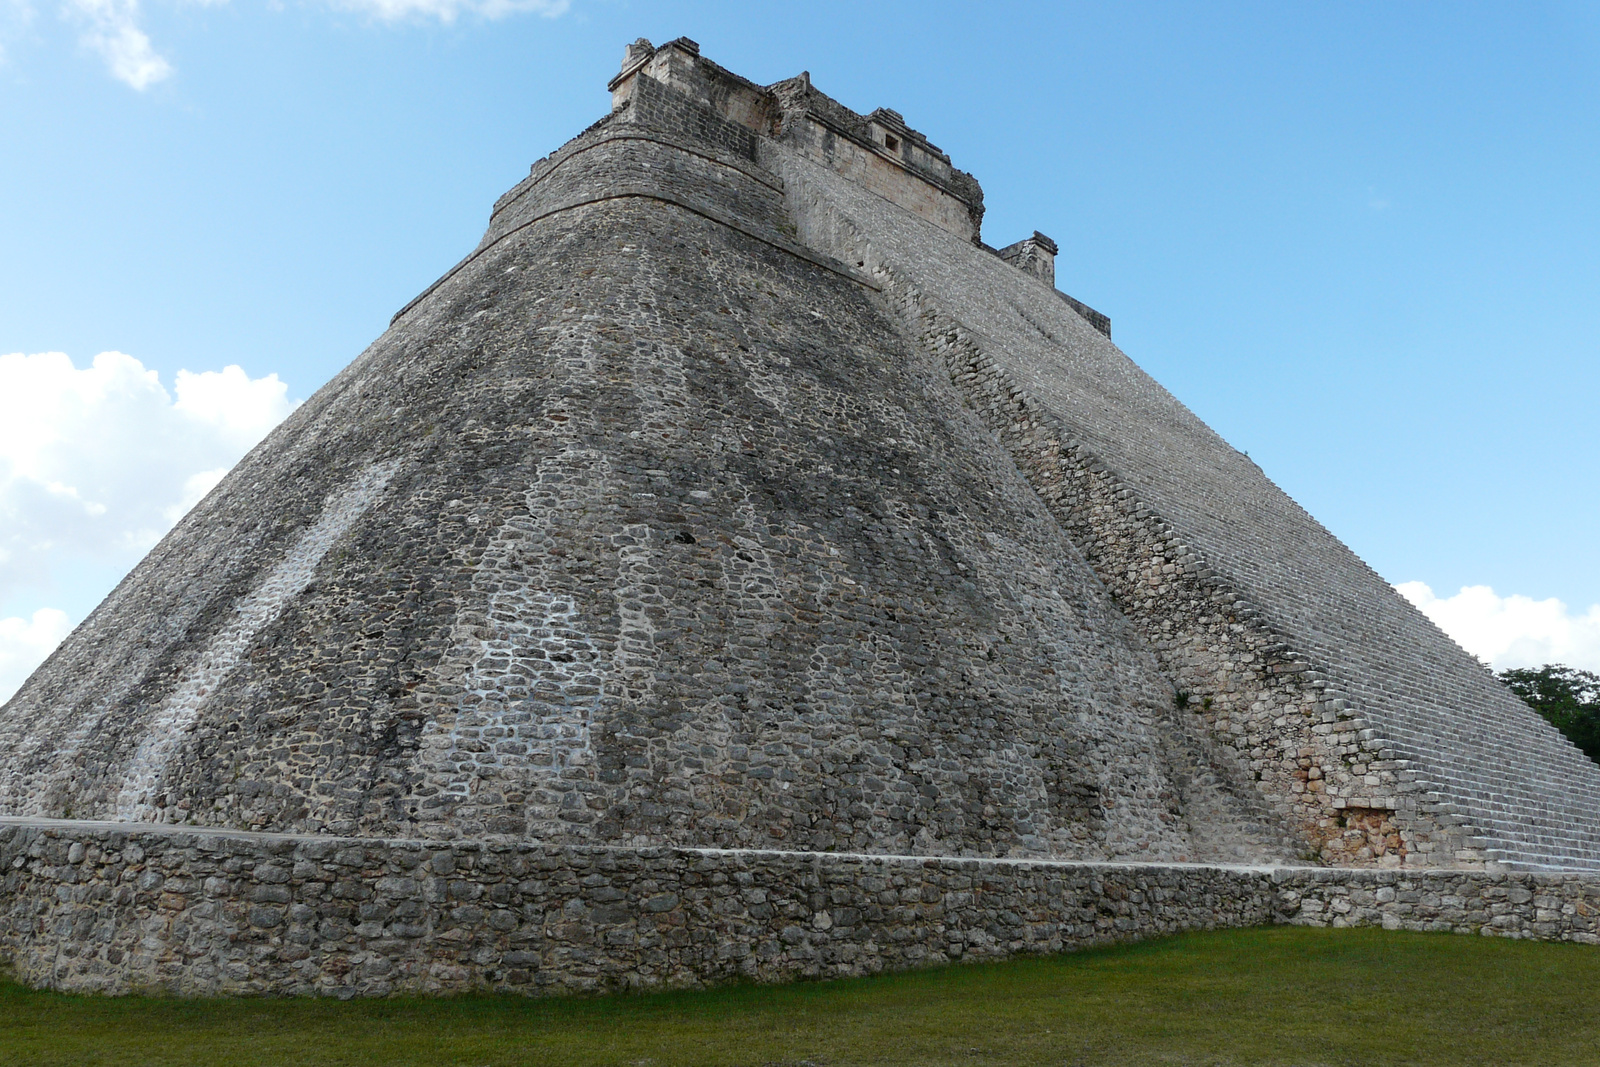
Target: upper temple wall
[[877, 151]]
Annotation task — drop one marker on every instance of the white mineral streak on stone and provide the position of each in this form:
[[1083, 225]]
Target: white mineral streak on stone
[[749, 576], [172, 721], [636, 593], [533, 676], [773, 388]]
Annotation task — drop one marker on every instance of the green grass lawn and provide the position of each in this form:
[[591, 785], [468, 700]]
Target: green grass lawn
[[1276, 995]]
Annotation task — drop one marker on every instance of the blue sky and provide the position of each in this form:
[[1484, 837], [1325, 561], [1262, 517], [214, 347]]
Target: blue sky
[[1358, 239]]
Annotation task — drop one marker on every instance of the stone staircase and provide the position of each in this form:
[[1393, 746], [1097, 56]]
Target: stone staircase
[[1526, 801]]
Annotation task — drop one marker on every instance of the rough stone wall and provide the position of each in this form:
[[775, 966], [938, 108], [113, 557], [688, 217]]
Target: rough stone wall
[[1098, 320], [871, 167], [767, 603], [624, 158], [716, 500], [716, 504], [659, 106], [1388, 741], [716, 91], [1295, 750], [678, 541], [1034, 255], [1544, 906], [915, 175], [1269, 711], [119, 908]]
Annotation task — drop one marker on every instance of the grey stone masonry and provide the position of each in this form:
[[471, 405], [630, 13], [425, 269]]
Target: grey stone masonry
[[645, 525], [733, 566], [119, 908], [1343, 701], [1036, 255], [733, 496]]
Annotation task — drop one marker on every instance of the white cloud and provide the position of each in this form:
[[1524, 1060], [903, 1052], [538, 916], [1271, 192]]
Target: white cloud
[[15, 15], [112, 30], [450, 10], [24, 643], [1512, 631], [98, 462], [239, 409]]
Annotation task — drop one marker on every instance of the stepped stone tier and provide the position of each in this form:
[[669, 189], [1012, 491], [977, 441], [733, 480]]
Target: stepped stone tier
[[734, 499]]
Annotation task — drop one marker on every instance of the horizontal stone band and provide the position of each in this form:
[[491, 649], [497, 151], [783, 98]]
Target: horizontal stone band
[[116, 906]]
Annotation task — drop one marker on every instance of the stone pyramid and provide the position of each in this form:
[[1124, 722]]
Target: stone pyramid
[[733, 493]]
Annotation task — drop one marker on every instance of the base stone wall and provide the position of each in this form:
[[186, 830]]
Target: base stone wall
[[117, 907]]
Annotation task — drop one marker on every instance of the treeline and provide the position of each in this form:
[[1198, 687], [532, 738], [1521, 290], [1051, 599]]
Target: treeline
[[1567, 697]]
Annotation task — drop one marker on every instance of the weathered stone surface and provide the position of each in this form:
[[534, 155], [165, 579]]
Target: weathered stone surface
[[179, 909], [1373, 734], [733, 496], [639, 527]]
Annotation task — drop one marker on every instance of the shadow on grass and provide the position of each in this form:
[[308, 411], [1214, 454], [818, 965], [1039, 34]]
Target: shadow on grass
[[1271, 995]]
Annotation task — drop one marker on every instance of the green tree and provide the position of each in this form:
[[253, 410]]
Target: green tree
[[1567, 697]]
